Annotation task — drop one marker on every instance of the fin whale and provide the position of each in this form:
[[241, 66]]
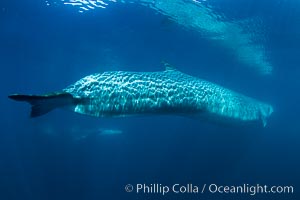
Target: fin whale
[[121, 93]]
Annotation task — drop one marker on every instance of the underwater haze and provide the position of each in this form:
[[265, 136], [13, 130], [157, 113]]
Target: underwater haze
[[249, 46]]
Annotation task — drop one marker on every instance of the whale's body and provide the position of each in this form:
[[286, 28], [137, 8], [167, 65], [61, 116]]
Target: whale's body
[[121, 93]]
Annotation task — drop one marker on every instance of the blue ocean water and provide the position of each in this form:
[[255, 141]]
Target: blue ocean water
[[63, 155]]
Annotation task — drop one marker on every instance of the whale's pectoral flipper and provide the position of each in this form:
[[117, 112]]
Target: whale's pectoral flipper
[[42, 104]]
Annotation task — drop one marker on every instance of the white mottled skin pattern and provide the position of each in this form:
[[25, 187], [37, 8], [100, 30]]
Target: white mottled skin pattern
[[120, 93]]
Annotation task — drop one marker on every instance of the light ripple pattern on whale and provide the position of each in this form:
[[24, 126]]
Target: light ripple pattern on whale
[[120, 93]]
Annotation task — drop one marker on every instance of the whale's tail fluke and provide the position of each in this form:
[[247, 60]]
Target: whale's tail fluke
[[42, 104]]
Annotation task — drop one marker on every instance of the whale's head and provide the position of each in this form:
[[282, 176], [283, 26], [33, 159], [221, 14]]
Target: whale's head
[[265, 111]]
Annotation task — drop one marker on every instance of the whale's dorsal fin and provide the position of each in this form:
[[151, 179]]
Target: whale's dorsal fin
[[168, 66]]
